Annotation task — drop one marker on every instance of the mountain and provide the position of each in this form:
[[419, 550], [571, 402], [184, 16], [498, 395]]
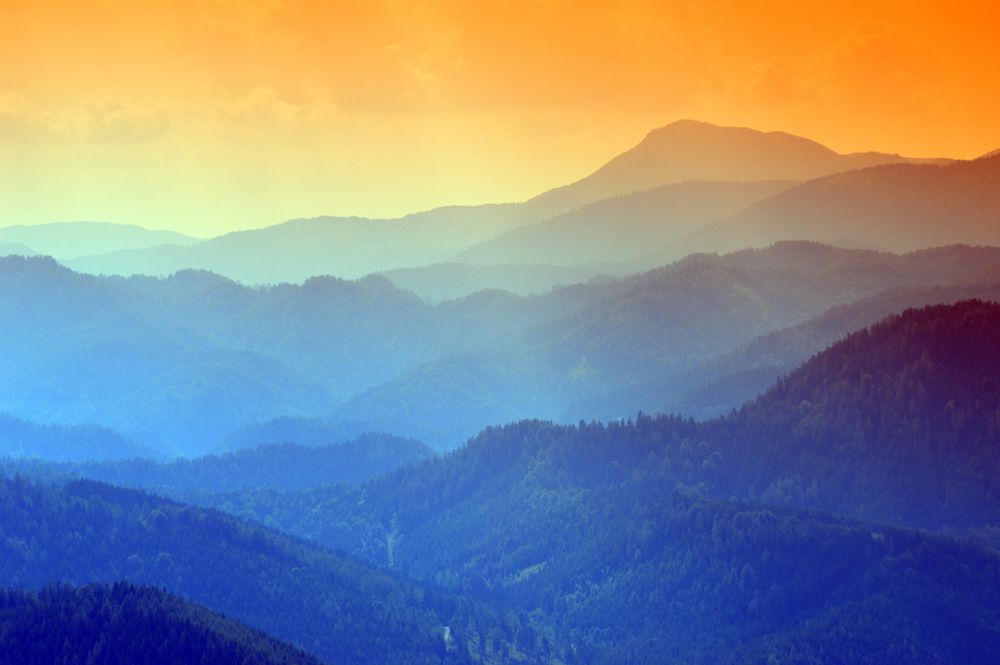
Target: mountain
[[64, 443], [901, 207], [124, 624], [667, 540], [448, 281], [285, 466], [648, 540], [726, 382], [898, 422], [294, 251], [180, 363], [689, 150], [284, 429], [331, 605], [350, 247], [664, 323], [621, 228], [68, 240], [17, 249]]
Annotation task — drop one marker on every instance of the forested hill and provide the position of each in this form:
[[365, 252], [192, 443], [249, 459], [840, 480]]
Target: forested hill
[[861, 430], [285, 466], [125, 624], [900, 421], [335, 607]]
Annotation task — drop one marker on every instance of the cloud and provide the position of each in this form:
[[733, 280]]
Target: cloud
[[20, 119], [264, 112], [772, 84], [115, 122], [104, 121]]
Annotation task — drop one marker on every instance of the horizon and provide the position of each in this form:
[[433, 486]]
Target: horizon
[[205, 118], [406, 213]]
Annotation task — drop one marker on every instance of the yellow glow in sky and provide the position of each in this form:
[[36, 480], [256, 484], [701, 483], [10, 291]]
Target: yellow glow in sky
[[205, 116]]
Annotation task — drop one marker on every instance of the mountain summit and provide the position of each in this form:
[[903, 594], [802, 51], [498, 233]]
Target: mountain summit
[[689, 150]]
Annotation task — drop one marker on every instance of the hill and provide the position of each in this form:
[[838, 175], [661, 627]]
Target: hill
[[689, 150], [664, 323], [296, 250], [723, 384], [331, 605], [68, 240], [623, 227], [448, 281], [350, 247], [179, 363], [285, 466], [897, 422], [64, 443], [17, 249], [124, 624], [609, 535], [901, 207]]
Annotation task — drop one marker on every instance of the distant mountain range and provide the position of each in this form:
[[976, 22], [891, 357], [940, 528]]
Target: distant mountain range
[[180, 363], [646, 340], [281, 466], [622, 227], [689, 150], [901, 207], [70, 240], [194, 363], [715, 172]]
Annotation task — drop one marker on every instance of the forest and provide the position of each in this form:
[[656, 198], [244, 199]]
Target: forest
[[860, 490]]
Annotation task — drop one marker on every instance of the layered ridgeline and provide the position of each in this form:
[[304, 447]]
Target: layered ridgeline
[[624, 227], [726, 382], [350, 247], [64, 443], [899, 207], [689, 150], [125, 624], [597, 531], [69, 240], [283, 466], [333, 606], [664, 323], [180, 364]]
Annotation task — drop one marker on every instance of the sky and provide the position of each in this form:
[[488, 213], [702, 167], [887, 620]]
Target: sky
[[206, 116]]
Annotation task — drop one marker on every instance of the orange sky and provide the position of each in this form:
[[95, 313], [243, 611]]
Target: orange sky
[[211, 115]]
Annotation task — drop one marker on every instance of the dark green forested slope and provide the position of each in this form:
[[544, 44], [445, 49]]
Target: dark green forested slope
[[585, 537], [598, 533], [125, 624], [334, 607]]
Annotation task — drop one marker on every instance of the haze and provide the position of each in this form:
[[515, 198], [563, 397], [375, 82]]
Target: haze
[[204, 117]]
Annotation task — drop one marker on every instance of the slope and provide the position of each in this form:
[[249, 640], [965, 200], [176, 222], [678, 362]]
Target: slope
[[331, 605], [901, 207], [124, 624]]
